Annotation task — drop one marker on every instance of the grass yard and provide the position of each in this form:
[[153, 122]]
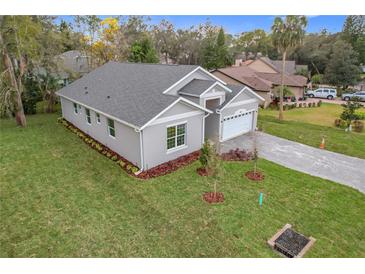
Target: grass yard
[[308, 125], [60, 198]]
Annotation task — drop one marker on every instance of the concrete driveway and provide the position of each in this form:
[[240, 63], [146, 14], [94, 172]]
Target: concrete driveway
[[329, 165]]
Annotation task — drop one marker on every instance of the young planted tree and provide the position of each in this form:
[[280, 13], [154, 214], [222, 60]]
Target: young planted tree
[[216, 170], [349, 113], [287, 35]]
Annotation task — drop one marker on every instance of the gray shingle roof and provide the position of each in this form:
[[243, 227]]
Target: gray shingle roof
[[134, 90], [196, 87], [229, 95]]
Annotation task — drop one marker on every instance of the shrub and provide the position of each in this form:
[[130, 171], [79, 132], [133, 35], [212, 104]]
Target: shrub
[[104, 152], [121, 163], [205, 153], [114, 158], [108, 154], [319, 103], [304, 105], [300, 105], [134, 169], [358, 126]]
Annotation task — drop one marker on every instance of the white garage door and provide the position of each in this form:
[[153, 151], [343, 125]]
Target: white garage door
[[237, 124]]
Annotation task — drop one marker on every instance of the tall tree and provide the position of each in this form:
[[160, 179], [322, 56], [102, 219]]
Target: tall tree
[[143, 52], [287, 34], [354, 33], [165, 39], [342, 68], [18, 44]]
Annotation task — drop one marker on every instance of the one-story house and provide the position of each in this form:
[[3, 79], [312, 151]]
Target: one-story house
[[264, 84], [154, 113], [265, 64]]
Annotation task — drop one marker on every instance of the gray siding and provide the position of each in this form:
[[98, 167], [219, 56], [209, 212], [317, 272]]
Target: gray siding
[[126, 141], [155, 138]]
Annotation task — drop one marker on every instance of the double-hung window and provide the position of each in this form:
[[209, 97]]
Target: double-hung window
[[97, 117], [75, 108], [111, 129], [88, 117], [176, 136]]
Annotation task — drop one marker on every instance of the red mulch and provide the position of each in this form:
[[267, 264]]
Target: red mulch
[[202, 171], [157, 171], [237, 155], [213, 197], [258, 176], [170, 166]]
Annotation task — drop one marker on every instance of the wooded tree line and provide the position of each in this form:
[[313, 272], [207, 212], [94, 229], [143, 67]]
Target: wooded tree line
[[28, 45]]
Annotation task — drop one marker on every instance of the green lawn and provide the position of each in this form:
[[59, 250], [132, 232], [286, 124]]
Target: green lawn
[[308, 125], [59, 198]]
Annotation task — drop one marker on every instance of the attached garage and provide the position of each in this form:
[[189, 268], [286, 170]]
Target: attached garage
[[237, 124]]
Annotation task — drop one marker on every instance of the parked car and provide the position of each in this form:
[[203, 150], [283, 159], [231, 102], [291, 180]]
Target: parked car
[[328, 93], [358, 94]]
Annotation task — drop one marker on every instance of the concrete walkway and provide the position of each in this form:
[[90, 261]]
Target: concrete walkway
[[329, 165]]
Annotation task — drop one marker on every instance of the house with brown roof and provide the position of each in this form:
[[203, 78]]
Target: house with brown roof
[[265, 64], [264, 83]]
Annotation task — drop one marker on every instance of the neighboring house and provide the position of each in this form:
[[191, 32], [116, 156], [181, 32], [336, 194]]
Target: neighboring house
[[154, 113], [70, 63], [263, 83], [265, 64]]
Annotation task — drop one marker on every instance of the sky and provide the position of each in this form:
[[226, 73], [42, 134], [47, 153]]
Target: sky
[[235, 24]]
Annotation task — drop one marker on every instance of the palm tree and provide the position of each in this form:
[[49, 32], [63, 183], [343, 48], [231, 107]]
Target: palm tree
[[285, 35]]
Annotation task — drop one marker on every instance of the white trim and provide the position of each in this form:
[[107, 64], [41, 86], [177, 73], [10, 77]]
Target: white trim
[[141, 149], [109, 127], [236, 104], [254, 94], [98, 120], [212, 98], [252, 111], [190, 73], [170, 106], [212, 86], [203, 128], [101, 112], [173, 149], [88, 116], [176, 117], [242, 90], [188, 94]]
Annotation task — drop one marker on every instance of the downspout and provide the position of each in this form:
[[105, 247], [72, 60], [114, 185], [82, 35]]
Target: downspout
[[203, 130], [141, 150]]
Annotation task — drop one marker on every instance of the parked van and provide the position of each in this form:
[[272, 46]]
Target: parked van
[[328, 93]]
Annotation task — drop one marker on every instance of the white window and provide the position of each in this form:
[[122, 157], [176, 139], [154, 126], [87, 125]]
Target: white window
[[88, 117], [97, 117], [75, 108], [111, 128], [176, 136]]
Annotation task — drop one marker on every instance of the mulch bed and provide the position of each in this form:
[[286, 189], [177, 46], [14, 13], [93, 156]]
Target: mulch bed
[[255, 176], [213, 197], [170, 166], [202, 171], [130, 168], [236, 155]]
